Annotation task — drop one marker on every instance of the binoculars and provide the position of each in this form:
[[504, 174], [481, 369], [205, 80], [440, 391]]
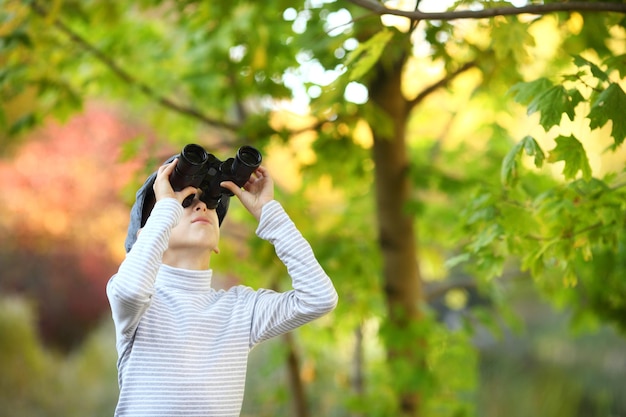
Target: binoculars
[[200, 169]]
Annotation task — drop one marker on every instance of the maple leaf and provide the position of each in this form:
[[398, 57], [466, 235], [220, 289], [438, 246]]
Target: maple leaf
[[528, 144], [548, 99], [610, 105], [571, 151], [552, 103], [525, 92], [617, 63], [596, 71]]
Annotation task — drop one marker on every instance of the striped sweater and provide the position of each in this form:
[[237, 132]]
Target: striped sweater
[[182, 345]]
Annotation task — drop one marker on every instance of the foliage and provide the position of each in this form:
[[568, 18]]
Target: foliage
[[561, 231], [57, 214], [36, 381]]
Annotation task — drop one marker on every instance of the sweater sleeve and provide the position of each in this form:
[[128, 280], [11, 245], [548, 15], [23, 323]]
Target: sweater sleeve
[[130, 290], [313, 294]]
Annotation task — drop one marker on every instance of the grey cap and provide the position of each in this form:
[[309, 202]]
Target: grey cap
[[144, 202]]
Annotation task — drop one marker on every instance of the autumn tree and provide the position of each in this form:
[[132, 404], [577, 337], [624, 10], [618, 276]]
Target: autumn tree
[[59, 207]]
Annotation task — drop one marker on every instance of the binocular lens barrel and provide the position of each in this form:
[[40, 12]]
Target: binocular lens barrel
[[194, 156], [249, 156], [190, 164], [246, 161]]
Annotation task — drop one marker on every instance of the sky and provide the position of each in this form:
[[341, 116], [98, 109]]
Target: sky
[[338, 22]]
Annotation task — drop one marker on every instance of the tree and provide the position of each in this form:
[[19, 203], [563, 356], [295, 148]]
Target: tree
[[496, 237], [217, 65], [55, 244]]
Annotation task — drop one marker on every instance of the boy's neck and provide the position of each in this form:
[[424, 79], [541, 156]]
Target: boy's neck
[[187, 259]]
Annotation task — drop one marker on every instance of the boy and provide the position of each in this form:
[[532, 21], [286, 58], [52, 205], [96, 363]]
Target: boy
[[183, 346]]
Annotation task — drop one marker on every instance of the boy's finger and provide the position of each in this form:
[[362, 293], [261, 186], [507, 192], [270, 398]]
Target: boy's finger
[[170, 167], [232, 187]]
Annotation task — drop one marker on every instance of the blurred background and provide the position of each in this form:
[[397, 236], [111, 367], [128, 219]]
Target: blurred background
[[460, 177]]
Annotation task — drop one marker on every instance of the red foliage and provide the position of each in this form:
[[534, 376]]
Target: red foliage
[[63, 221]]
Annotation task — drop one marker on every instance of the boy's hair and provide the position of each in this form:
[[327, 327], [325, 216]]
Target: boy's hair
[[144, 202]]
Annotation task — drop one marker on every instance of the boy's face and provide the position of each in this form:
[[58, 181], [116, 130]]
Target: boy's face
[[198, 229]]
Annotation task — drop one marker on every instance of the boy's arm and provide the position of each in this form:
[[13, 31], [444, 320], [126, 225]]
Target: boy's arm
[[313, 293], [130, 290]]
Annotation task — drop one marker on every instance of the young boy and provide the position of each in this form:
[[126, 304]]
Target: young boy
[[183, 346]]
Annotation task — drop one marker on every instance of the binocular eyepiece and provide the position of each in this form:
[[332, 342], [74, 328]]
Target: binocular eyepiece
[[198, 168]]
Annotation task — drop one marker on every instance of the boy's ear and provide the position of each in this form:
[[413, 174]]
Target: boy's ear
[[216, 250]]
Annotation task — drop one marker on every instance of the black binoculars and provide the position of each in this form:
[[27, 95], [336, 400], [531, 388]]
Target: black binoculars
[[198, 168]]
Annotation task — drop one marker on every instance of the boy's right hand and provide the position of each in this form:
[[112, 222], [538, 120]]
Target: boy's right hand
[[162, 187]]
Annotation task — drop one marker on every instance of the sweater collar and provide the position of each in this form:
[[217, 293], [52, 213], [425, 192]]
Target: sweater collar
[[184, 279]]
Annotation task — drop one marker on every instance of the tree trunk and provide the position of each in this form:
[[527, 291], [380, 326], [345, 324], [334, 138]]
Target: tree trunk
[[397, 237], [300, 403]]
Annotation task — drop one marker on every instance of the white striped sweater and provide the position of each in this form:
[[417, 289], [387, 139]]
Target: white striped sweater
[[183, 346]]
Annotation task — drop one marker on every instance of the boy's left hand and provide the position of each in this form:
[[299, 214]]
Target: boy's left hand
[[258, 191]]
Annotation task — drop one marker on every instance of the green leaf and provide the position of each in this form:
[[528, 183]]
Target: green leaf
[[571, 151], [526, 92], [552, 103], [457, 260], [485, 237], [617, 63], [16, 38], [22, 124], [595, 70], [548, 99], [508, 171], [610, 105], [532, 148], [575, 76], [511, 39], [363, 58]]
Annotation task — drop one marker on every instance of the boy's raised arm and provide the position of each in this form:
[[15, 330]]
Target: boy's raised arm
[[130, 290]]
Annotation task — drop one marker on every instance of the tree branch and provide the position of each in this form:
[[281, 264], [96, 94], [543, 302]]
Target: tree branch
[[440, 84], [128, 78], [537, 9], [569, 235]]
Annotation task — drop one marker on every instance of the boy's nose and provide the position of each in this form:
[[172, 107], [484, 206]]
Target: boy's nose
[[199, 204]]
